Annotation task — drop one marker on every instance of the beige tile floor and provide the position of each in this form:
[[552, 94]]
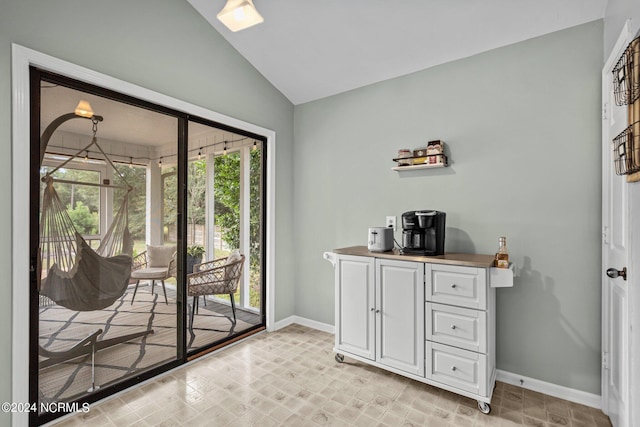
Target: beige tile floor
[[290, 378]]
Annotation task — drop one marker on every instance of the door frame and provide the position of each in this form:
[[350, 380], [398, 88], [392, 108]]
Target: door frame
[[22, 59], [632, 282]]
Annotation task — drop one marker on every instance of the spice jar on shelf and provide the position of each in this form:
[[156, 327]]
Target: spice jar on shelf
[[419, 156], [404, 157], [435, 151]]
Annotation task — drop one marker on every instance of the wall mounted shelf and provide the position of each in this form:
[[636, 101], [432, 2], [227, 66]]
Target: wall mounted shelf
[[415, 167], [444, 162]]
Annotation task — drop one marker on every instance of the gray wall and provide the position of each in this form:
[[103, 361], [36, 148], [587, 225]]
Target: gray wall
[[522, 126], [162, 45]]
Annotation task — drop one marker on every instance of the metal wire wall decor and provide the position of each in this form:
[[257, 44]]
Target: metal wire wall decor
[[626, 75], [626, 150]]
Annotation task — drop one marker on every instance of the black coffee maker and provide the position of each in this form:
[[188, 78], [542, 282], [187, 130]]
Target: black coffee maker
[[423, 232]]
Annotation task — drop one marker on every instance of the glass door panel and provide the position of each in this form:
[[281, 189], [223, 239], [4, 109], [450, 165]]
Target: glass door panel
[[224, 270], [101, 241]]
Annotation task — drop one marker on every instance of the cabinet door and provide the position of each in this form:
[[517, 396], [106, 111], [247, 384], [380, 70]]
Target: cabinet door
[[355, 299], [400, 319]]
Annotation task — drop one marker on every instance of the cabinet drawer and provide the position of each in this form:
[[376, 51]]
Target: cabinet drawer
[[459, 327], [456, 285], [458, 368]]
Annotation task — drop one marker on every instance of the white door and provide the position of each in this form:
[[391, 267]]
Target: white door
[[615, 253], [400, 315], [355, 305]]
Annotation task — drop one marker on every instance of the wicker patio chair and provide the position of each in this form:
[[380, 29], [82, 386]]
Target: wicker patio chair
[[220, 276]]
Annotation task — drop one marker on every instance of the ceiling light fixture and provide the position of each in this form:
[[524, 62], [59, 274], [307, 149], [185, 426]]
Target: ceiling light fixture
[[239, 14], [84, 109]]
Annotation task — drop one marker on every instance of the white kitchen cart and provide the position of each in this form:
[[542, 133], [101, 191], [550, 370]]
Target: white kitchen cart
[[431, 319]]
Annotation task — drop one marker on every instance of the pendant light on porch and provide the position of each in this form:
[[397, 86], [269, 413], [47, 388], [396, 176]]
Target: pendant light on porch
[[239, 14], [84, 109]]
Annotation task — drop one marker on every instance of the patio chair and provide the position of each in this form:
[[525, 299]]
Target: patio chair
[[156, 263], [220, 276]]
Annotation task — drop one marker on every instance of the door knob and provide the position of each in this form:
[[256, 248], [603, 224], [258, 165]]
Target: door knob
[[613, 273]]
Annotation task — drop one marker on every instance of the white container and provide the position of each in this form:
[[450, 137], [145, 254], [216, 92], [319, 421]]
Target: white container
[[380, 239]]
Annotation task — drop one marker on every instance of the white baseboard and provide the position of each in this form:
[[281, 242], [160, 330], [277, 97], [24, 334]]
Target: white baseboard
[[561, 392], [577, 396], [324, 327]]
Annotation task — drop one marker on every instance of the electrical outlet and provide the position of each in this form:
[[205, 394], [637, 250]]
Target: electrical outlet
[[391, 222]]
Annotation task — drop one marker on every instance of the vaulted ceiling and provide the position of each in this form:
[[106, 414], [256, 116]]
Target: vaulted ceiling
[[313, 49]]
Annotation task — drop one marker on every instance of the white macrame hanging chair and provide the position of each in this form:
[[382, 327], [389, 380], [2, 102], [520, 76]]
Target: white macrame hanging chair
[[78, 277]]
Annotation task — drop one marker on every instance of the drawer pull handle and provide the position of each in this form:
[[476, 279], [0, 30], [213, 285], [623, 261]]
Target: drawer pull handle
[[453, 368], [453, 326], [377, 311], [373, 309], [453, 285]]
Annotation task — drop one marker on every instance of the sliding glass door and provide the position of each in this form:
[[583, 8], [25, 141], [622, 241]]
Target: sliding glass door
[[148, 226]]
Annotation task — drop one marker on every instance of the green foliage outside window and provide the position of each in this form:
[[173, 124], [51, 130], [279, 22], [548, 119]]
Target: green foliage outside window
[[196, 196], [137, 178], [227, 211], [227, 201], [82, 201], [85, 221]]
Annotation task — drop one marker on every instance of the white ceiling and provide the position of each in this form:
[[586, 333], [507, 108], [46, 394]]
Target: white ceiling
[[313, 49], [122, 122]]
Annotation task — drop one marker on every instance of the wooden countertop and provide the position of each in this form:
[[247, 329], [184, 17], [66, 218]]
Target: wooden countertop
[[470, 260]]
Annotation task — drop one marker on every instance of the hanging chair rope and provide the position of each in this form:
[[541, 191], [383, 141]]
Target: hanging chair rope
[[94, 141]]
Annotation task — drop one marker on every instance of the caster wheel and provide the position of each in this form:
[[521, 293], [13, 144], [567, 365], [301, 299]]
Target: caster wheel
[[339, 357], [484, 407]]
